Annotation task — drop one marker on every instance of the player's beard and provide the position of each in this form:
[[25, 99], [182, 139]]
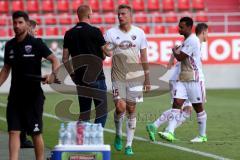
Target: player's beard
[[19, 32]]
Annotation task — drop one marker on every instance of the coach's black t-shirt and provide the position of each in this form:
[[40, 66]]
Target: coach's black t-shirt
[[84, 39], [25, 60]]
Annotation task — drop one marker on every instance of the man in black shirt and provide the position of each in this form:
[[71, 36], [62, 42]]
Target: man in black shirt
[[87, 47], [24, 142], [23, 55]]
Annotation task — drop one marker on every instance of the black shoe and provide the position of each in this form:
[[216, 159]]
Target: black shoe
[[27, 144]]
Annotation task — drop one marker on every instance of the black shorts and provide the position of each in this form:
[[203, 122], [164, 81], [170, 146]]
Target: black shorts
[[24, 113]]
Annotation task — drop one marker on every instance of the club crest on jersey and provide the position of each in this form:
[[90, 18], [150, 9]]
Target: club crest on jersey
[[133, 37], [28, 48]]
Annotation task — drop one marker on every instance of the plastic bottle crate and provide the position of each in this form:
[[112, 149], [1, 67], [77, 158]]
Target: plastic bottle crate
[[81, 152]]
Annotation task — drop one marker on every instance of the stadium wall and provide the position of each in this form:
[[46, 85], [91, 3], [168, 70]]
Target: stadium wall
[[221, 58]]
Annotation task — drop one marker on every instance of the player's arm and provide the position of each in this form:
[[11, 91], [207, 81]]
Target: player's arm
[[179, 54], [170, 62], [109, 46], [68, 65], [66, 61], [107, 50], [55, 62], [145, 65], [47, 54], [52, 78], [4, 73]]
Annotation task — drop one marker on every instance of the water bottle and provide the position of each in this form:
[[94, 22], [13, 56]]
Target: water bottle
[[62, 132], [100, 134], [92, 138], [80, 131], [74, 132], [86, 138], [69, 135]]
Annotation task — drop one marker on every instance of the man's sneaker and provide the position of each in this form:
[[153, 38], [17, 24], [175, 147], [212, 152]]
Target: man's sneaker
[[128, 151], [152, 130], [27, 144], [199, 139], [167, 136], [118, 143]]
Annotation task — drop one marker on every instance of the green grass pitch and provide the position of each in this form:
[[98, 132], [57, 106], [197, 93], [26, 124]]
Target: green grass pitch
[[223, 127]]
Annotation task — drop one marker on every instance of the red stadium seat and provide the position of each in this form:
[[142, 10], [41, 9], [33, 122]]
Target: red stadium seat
[[17, 5], [32, 6], [3, 32], [110, 18], [94, 4], [168, 5], [159, 29], [198, 4], [10, 32], [183, 5], [140, 17], [63, 5], [36, 17], [145, 28], [39, 32], [51, 31], [76, 4], [64, 29], [47, 6], [64, 18], [185, 13], [234, 28], [4, 6], [75, 19], [50, 19], [123, 2], [138, 5], [108, 5], [156, 17], [3, 19], [153, 5], [173, 29], [171, 17], [96, 18], [201, 17]]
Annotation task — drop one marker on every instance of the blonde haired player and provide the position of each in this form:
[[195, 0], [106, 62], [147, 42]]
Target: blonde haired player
[[129, 73]]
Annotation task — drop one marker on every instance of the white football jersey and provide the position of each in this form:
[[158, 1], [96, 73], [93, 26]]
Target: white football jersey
[[126, 51], [192, 47]]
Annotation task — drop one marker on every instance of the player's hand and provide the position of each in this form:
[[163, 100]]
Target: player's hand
[[176, 49], [146, 85], [51, 78]]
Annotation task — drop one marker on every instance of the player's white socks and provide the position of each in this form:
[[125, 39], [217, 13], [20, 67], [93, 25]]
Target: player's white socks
[[202, 122], [131, 125], [173, 120], [181, 119], [118, 119], [163, 118], [184, 116]]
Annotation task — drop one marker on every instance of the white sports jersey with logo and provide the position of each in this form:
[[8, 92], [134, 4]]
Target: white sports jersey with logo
[[126, 52], [191, 67]]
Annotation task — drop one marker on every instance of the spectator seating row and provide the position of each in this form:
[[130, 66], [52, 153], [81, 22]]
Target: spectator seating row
[[56, 6]]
